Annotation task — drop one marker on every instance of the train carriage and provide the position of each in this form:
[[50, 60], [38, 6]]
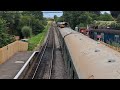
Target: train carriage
[[62, 33], [62, 24], [87, 59], [108, 35]]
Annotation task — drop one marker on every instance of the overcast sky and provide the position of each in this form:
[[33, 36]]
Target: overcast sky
[[52, 13]]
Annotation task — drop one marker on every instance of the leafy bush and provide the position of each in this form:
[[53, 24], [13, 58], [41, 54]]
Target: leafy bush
[[106, 17], [44, 21], [37, 26], [118, 26], [115, 26], [5, 38], [26, 31], [81, 26], [118, 18]]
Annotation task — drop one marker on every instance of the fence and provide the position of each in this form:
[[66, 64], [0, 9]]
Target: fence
[[9, 50]]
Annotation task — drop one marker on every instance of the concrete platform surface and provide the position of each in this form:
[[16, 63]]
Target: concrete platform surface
[[11, 67]]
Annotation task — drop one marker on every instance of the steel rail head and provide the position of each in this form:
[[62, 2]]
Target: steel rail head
[[23, 68], [44, 48], [40, 60]]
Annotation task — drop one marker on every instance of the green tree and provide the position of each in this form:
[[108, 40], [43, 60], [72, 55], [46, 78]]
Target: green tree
[[4, 37], [94, 16], [26, 31], [44, 21], [60, 19], [72, 17], [118, 18], [25, 20], [12, 20], [95, 12], [37, 26], [85, 18], [76, 17], [36, 14], [55, 17], [106, 17], [9, 17], [115, 13], [15, 20]]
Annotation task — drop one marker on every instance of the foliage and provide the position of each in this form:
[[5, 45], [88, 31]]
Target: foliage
[[118, 18], [55, 17], [84, 18], [26, 31], [106, 17], [36, 14], [11, 18], [37, 26], [95, 12], [94, 16], [60, 19], [115, 13], [34, 20], [81, 25], [44, 21], [17, 19], [78, 17], [115, 26], [12, 23], [38, 39], [5, 39], [72, 17]]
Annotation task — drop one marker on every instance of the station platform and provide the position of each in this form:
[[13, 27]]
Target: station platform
[[11, 67]]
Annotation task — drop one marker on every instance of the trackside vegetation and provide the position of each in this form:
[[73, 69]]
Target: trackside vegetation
[[38, 39], [20, 24]]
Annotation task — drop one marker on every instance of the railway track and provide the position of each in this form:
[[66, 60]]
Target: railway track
[[43, 65], [46, 63]]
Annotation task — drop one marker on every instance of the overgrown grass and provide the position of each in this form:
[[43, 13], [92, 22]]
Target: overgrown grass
[[38, 39]]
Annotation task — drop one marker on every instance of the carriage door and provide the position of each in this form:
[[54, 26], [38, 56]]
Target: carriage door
[[116, 39], [95, 35], [102, 37]]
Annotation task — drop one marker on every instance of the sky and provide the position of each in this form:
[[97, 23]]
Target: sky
[[105, 11], [52, 13], [59, 13]]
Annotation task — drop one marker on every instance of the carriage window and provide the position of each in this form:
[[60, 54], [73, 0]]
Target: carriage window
[[102, 36], [116, 38], [95, 34]]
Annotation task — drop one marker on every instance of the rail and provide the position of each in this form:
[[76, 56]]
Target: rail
[[39, 61], [43, 50], [25, 65]]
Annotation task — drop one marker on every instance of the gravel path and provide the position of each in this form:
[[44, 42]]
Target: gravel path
[[59, 70]]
